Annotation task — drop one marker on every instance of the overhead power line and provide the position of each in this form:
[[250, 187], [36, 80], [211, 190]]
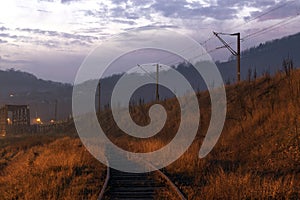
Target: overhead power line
[[247, 37], [269, 28], [148, 73], [265, 13], [236, 53]]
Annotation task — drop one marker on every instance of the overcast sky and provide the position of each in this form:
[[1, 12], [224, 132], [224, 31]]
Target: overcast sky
[[50, 38]]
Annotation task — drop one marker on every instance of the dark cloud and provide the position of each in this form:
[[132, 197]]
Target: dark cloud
[[6, 35], [47, 0], [39, 31], [53, 40], [217, 12], [2, 28], [78, 37], [133, 3], [181, 9], [279, 11], [62, 1], [89, 13], [55, 44], [120, 12], [44, 11], [155, 25], [68, 1], [170, 8], [126, 12], [133, 14], [98, 31], [77, 43], [51, 44], [262, 4], [131, 11], [2, 41], [6, 56], [101, 12], [174, 9], [59, 34], [119, 1], [185, 10], [121, 21]]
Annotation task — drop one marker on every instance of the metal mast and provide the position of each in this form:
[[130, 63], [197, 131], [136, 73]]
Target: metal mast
[[236, 53]]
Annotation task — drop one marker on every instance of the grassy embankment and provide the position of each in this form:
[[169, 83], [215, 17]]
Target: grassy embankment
[[48, 167], [258, 153]]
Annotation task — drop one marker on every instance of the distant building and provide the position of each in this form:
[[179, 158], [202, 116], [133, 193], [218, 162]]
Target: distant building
[[14, 118]]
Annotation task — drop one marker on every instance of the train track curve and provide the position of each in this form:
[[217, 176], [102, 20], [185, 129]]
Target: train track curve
[[124, 185]]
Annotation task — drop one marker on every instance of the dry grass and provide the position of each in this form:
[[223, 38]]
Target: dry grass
[[258, 154], [256, 157], [59, 169]]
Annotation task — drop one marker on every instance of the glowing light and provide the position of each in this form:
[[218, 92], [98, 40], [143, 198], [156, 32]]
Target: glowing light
[[38, 120], [9, 121]]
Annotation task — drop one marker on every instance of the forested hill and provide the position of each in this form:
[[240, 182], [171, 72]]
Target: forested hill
[[267, 56], [18, 87]]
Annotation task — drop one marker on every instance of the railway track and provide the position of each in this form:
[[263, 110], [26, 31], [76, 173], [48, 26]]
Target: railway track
[[123, 185]]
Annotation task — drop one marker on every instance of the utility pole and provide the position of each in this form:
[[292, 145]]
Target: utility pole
[[99, 92], [55, 110], [238, 56], [154, 78], [236, 53], [157, 73]]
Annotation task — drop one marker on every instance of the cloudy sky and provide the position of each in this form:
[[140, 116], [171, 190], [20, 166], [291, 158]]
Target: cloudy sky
[[50, 38]]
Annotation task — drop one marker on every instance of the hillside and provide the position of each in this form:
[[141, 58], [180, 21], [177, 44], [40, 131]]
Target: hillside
[[258, 154], [256, 157], [266, 56], [18, 87]]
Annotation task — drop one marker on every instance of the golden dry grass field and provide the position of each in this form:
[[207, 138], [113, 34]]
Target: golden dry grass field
[[258, 153], [47, 167]]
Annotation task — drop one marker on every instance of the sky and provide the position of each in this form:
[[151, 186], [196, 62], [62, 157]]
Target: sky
[[51, 38]]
